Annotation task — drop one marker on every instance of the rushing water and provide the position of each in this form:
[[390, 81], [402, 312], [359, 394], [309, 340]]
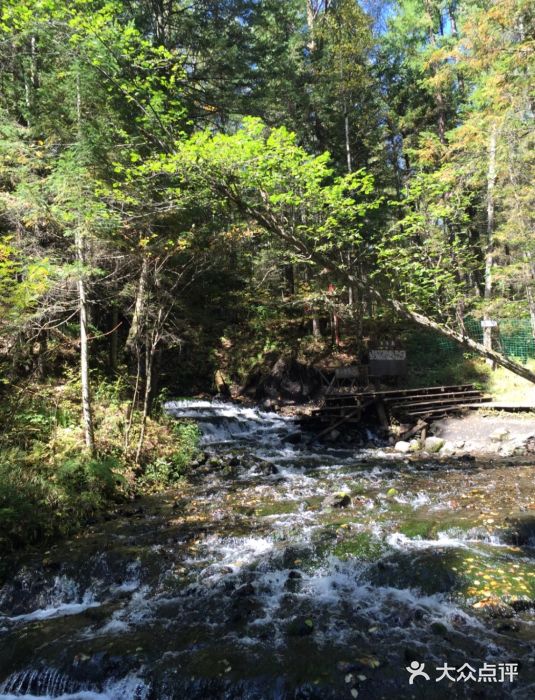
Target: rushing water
[[284, 571]]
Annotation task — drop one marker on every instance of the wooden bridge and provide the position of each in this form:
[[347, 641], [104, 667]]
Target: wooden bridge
[[413, 406]]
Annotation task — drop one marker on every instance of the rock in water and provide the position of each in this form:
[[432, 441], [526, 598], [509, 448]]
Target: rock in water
[[433, 444], [337, 500], [402, 446], [447, 449]]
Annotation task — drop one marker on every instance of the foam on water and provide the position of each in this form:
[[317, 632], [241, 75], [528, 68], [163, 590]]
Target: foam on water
[[399, 541], [224, 422], [64, 598]]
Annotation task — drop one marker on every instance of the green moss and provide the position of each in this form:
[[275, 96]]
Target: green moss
[[362, 545], [417, 528], [276, 508]]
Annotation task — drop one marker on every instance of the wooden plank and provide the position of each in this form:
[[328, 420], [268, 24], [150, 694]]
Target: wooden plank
[[501, 406], [420, 425], [437, 402], [436, 397], [378, 393], [430, 412]]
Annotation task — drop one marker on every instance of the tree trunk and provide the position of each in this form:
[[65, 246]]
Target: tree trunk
[[531, 305], [311, 16], [489, 252], [150, 351], [149, 355], [114, 340], [87, 412], [79, 240], [289, 281], [530, 280], [439, 97], [41, 357], [347, 142], [139, 309]]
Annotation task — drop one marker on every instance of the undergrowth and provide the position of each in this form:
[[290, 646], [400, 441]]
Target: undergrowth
[[50, 486]]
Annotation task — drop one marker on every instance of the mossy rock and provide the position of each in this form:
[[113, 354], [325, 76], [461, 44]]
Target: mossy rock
[[417, 528], [277, 508], [361, 545]]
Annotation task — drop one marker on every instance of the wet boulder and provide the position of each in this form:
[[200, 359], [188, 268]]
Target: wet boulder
[[402, 446], [215, 463], [494, 607], [521, 529], [439, 629], [522, 604], [428, 571], [246, 590], [433, 444], [265, 468], [294, 438], [293, 582], [337, 500]]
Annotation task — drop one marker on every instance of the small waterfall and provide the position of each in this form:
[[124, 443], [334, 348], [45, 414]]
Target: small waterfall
[[62, 598], [48, 682], [225, 422], [51, 684]]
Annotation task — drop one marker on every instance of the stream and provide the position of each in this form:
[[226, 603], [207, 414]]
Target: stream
[[284, 571]]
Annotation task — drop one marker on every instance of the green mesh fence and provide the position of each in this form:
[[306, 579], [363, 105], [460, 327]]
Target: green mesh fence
[[512, 337]]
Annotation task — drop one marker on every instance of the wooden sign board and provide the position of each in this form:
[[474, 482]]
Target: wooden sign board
[[388, 355], [388, 362]]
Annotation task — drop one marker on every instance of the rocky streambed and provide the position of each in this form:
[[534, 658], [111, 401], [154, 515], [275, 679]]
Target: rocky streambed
[[279, 571]]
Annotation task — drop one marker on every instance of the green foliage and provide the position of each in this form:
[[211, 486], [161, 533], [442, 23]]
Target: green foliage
[[169, 469], [50, 487], [41, 501]]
